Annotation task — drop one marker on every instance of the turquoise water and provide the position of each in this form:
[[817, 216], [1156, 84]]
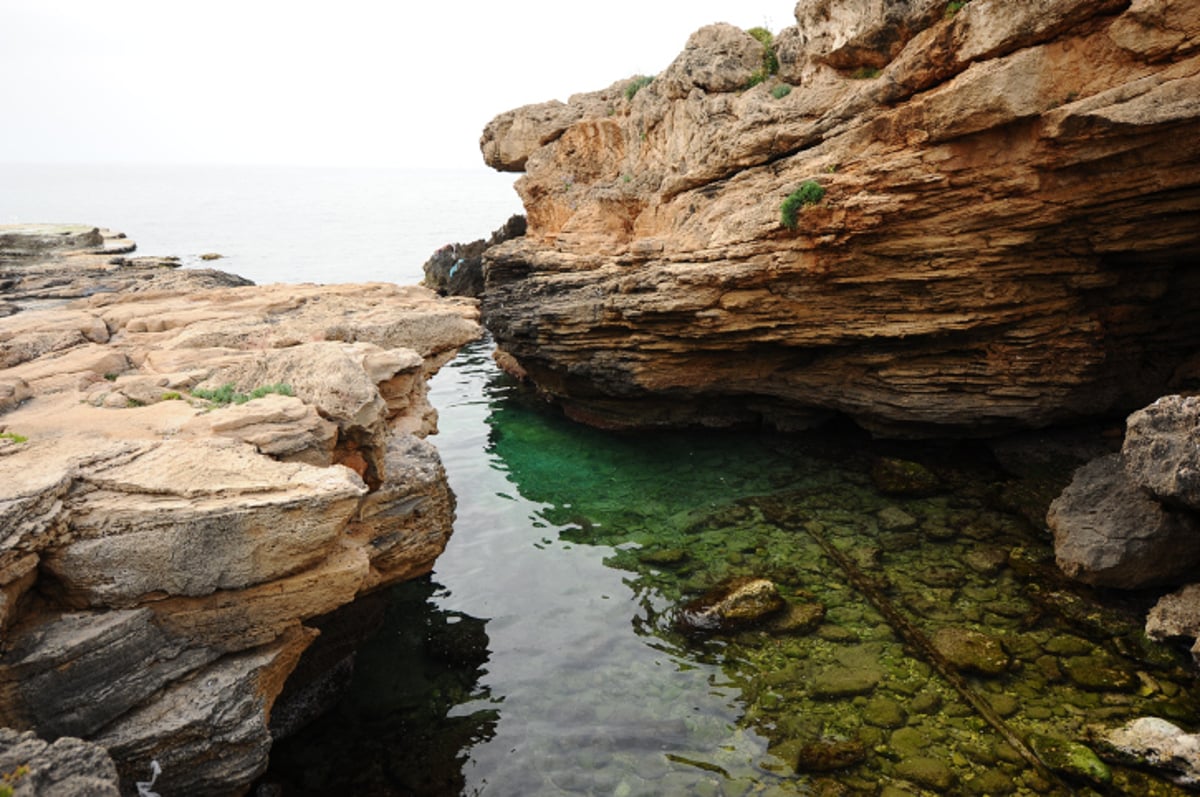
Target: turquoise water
[[543, 656]]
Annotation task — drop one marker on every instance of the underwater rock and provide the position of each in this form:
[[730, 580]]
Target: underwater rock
[[840, 683], [932, 773], [901, 477], [663, 556], [1098, 673], [827, 755], [731, 605], [1160, 745], [1070, 759], [971, 651], [883, 712], [799, 618], [893, 518]]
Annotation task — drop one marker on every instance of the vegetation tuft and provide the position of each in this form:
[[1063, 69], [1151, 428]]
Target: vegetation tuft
[[639, 82], [955, 6], [865, 73], [810, 192], [13, 436], [226, 394], [781, 91], [770, 62]]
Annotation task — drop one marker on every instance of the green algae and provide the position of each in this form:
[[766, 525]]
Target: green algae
[[675, 514]]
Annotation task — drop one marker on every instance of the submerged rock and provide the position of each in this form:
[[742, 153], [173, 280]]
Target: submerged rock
[[1070, 759], [827, 755], [902, 477], [1155, 743], [971, 651], [731, 605]]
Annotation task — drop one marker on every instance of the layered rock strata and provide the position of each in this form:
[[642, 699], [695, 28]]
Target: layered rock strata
[[187, 474], [1007, 235]]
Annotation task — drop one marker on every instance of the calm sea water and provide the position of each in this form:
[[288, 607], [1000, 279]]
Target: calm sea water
[[542, 656], [271, 224]]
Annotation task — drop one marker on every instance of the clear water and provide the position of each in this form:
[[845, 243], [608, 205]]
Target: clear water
[[542, 657]]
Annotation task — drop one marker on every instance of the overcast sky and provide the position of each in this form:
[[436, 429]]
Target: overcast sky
[[353, 82]]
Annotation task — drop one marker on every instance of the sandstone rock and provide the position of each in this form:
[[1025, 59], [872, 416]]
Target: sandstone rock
[[68, 767], [1154, 742], [199, 536], [1162, 450], [964, 273], [1107, 532], [731, 605]]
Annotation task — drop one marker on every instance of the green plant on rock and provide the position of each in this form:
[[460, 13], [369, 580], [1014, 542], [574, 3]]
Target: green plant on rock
[[172, 395], [781, 91], [13, 436], [639, 82], [810, 192], [770, 62], [226, 394], [864, 73], [955, 6]]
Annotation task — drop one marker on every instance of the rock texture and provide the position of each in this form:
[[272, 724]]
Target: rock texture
[[160, 552], [457, 269], [67, 768], [1007, 237]]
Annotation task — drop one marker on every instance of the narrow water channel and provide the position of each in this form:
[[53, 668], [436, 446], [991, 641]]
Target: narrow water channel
[[543, 656]]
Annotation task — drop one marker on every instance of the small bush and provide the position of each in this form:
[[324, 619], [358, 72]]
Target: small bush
[[810, 192], [226, 394], [864, 73], [639, 82], [955, 6], [171, 395], [770, 62], [111, 376], [781, 91], [13, 436]]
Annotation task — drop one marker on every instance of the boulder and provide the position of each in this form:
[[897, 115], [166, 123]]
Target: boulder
[[730, 606], [1160, 745], [1162, 450], [457, 269], [1177, 615], [66, 767], [971, 651], [657, 285], [1108, 532]]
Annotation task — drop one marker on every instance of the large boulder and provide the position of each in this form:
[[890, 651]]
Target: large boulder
[[1162, 450], [965, 272], [1109, 532]]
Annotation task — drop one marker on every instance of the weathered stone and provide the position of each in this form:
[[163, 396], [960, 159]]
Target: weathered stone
[[932, 773], [734, 604], [828, 756], [68, 767], [1072, 759], [1162, 450], [1110, 533], [798, 618], [457, 269], [656, 284], [971, 651], [842, 682], [1176, 615], [1156, 743], [282, 427]]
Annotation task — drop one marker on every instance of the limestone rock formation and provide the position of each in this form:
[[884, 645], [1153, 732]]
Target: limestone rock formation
[[187, 474], [1162, 450], [1007, 235]]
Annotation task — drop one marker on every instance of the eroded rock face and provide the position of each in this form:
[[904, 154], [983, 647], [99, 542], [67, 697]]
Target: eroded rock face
[[68, 767], [1007, 236], [160, 551]]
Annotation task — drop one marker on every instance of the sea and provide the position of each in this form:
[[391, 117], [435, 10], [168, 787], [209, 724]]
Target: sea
[[271, 223], [547, 653]]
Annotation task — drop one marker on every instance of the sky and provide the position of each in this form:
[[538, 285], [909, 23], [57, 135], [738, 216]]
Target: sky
[[351, 83]]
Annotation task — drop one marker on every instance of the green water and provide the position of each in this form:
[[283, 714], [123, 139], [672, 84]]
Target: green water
[[543, 656]]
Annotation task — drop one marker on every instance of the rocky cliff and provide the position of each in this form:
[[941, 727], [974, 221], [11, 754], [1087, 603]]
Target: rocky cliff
[[999, 229], [188, 473]]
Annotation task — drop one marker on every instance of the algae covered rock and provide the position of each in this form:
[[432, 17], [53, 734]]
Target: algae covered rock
[[826, 755], [731, 605], [971, 651], [1070, 759], [932, 773], [901, 477]]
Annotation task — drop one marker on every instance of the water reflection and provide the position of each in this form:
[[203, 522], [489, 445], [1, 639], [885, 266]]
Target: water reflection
[[398, 728]]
